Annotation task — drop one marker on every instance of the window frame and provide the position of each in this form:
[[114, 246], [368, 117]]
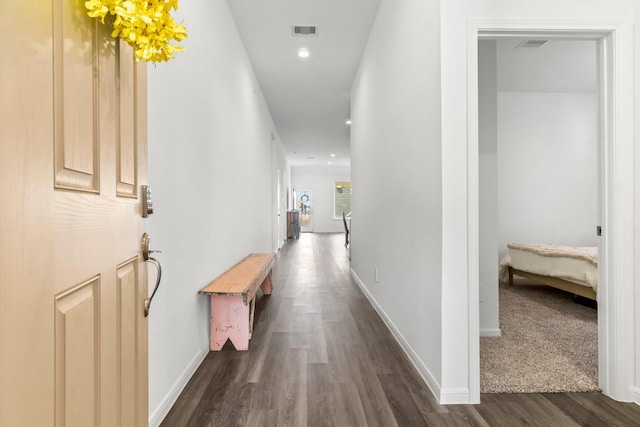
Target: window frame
[[335, 204]]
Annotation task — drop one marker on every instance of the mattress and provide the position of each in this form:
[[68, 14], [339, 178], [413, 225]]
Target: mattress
[[575, 264]]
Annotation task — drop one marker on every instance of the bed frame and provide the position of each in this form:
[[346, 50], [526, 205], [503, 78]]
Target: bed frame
[[554, 282]]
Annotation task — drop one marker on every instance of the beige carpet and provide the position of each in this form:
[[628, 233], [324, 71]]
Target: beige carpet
[[548, 344]]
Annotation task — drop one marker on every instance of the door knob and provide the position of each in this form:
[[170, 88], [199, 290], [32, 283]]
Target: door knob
[[146, 256]]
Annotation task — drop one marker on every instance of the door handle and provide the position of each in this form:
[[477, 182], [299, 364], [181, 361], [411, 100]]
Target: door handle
[[146, 256], [147, 301]]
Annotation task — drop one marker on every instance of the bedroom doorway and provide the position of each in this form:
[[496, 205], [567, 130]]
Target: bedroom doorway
[[538, 179], [614, 193]]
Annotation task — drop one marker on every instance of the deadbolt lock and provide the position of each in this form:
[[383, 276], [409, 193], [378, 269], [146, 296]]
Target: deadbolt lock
[[147, 204]]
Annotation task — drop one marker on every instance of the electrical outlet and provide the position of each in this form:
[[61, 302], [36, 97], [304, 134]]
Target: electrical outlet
[[375, 270]]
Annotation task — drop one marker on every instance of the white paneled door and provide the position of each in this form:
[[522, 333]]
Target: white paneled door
[[73, 336]]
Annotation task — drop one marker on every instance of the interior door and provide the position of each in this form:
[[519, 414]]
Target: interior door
[[73, 336]]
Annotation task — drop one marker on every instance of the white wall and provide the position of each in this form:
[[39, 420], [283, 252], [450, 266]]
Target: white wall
[[320, 180], [548, 168], [210, 164], [548, 143], [637, 208], [488, 187], [459, 370], [396, 175]]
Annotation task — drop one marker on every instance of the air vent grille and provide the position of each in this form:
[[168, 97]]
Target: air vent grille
[[532, 43], [304, 30]]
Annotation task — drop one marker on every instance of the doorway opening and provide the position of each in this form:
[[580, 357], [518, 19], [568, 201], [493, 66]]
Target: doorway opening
[[304, 201], [279, 234], [539, 183]]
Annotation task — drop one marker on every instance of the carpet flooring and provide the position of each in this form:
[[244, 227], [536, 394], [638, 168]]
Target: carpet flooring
[[549, 344]]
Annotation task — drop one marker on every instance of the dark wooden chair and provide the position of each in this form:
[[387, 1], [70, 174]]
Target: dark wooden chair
[[346, 229]]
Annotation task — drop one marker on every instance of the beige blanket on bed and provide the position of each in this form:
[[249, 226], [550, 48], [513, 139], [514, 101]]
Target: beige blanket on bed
[[575, 264], [589, 254]]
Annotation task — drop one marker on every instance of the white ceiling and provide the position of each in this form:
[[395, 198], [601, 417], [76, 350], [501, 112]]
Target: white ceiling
[[308, 98]]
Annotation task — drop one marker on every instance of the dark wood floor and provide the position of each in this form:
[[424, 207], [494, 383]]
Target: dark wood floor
[[321, 356]]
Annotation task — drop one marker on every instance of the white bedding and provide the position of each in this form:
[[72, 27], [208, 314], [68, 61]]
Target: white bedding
[[577, 265]]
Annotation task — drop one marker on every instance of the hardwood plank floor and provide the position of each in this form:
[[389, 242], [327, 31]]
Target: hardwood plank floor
[[321, 356]]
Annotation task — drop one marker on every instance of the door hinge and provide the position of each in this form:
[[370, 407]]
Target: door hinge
[[599, 230]]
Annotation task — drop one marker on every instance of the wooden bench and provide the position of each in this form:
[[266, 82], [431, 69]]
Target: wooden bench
[[233, 300]]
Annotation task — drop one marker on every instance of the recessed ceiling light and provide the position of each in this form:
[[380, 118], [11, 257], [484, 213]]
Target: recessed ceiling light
[[333, 155], [328, 163], [348, 122], [303, 52]]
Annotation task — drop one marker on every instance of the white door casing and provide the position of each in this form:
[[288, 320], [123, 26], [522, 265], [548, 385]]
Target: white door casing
[[615, 291]]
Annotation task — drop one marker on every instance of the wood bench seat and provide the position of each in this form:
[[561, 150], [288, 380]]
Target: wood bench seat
[[233, 300]]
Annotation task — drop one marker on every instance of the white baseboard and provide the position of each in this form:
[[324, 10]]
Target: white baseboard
[[454, 396], [165, 406], [490, 332], [424, 372], [635, 395]]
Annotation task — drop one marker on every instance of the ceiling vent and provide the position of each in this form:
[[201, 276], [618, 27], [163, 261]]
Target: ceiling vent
[[304, 30], [532, 43]]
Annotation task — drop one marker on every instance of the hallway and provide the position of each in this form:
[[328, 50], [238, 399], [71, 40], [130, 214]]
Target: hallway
[[321, 356]]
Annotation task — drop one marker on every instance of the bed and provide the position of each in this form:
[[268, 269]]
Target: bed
[[572, 269]]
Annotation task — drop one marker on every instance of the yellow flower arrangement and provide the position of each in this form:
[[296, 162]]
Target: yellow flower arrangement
[[146, 25]]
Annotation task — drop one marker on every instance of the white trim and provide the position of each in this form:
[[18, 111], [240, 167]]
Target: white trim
[[615, 294], [615, 304], [490, 332], [454, 396], [635, 395], [552, 28], [165, 406], [473, 218], [424, 372]]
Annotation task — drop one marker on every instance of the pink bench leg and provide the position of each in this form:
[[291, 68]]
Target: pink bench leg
[[266, 285], [230, 319]]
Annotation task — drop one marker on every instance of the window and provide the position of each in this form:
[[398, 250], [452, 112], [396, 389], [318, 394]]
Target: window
[[341, 199]]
